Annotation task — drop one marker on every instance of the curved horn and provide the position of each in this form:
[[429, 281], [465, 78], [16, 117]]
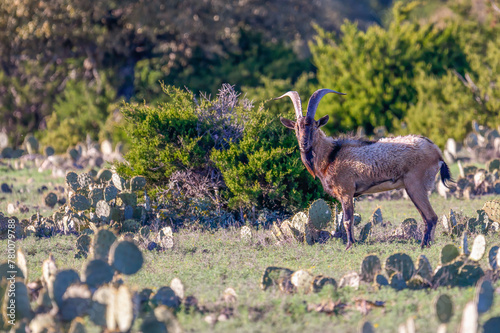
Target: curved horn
[[314, 101], [296, 102]]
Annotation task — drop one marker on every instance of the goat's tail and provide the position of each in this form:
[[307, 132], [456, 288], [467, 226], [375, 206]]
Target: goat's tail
[[445, 174]]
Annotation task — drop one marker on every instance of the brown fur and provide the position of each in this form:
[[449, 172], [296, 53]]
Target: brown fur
[[348, 167]]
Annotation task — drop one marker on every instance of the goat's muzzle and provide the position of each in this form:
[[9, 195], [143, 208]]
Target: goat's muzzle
[[307, 159]]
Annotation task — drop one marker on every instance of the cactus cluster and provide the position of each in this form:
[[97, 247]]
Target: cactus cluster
[[473, 310], [289, 281], [485, 222], [309, 228], [64, 297]]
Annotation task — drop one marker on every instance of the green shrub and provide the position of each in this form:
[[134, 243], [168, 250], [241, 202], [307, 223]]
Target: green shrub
[[377, 69], [185, 137]]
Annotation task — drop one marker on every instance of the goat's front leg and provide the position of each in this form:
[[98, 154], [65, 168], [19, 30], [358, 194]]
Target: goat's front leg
[[348, 214]]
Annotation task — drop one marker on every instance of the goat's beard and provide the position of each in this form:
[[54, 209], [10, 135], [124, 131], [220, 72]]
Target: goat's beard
[[307, 159]]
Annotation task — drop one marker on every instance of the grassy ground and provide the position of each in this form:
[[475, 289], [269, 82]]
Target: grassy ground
[[210, 262]]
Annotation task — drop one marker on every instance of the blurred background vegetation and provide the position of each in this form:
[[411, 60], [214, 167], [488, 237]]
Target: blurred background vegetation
[[72, 68]]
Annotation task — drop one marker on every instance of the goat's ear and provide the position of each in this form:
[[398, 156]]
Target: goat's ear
[[322, 121], [287, 123]]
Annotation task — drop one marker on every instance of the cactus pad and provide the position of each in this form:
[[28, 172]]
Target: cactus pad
[[302, 280], [97, 272], [104, 175], [320, 214], [110, 192], [127, 198], [50, 199], [79, 202], [96, 195], [365, 232], [272, 275], [119, 182], [137, 183], [370, 266], [380, 280], [376, 217], [449, 253], [478, 248], [101, 244], [444, 308], [84, 179], [493, 257], [484, 295], [402, 263], [72, 180], [350, 280], [177, 287], [63, 279], [126, 257], [166, 296], [397, 281], [83, 244], [424, 268], [124, 308], [103, 210], [320, 281]]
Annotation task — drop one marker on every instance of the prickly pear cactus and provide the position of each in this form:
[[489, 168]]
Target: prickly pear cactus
[[96, 195], [51, 199], [376, 217], [444, 308], [298, 226], [464, 244], [401, 263], [272, 275], [127, 198], [493, 257], [84, 179], [492, 208], [137, 183], [350, 280], [63, 279], [72, 180], [97, 272], [365, 232], [79, 202], [119, 182], [424, 268], [103, 210], [320, 281], [130, 225], [448, 253], [126, 257], [320, 214], [370, 267], [397, 281], [104, 175], [380, 281], [110, 192], [101, 244], [124, 308], [83, 245], [484, 295], [478, 248], [302, 280]]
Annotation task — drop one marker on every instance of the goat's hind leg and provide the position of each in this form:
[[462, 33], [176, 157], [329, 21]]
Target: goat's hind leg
[[418, 195], [348, 214]]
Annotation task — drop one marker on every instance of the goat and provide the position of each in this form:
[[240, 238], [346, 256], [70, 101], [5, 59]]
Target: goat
[[348, 167]]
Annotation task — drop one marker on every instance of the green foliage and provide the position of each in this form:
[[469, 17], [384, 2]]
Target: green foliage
[[256, 156], [79, 112], [377, 69], [264, 168], [167, 137]]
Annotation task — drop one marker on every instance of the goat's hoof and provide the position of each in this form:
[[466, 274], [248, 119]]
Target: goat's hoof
[[349, 245]]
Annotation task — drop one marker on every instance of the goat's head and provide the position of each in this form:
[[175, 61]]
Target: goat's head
[[306, 127]]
